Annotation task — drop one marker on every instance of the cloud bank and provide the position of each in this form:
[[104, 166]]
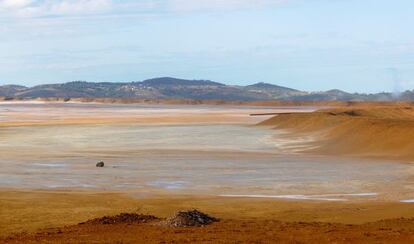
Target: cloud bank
[[40, 8]]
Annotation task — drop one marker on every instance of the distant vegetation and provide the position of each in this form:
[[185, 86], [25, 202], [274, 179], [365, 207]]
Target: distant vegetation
[[172, 88]]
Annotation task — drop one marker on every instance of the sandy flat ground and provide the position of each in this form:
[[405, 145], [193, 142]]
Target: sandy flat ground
[[243, 220], [247, 214]]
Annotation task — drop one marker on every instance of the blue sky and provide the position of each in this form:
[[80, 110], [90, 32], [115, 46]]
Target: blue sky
[[355, 45]]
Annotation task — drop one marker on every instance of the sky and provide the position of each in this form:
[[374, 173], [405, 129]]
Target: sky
[[312, 45]]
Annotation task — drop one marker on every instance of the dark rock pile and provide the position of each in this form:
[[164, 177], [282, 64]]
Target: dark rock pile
[[190, 218], [123, 218]]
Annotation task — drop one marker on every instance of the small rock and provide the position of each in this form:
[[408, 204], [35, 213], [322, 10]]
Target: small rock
[[100, 164]]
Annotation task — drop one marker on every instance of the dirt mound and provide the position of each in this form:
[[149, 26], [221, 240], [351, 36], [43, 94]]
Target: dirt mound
[[123, 218], [364, 131], [190, 218], [389, 112]]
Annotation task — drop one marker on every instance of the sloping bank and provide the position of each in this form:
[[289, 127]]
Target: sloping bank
[[360, 131]]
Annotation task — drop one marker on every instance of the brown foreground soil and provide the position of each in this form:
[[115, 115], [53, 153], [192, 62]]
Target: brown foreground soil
[[229, 231], [54, 217], [378, 131]]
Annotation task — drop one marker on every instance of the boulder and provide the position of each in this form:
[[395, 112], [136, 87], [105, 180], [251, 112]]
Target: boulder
[[100, 164]]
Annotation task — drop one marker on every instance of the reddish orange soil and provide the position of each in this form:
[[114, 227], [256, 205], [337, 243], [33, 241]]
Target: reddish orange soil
[[229, 231]]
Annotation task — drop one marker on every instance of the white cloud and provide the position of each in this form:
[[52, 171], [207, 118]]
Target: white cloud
[[14, 4], [80, 6], [36, 8]]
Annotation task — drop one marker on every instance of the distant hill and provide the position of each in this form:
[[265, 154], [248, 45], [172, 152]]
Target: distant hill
[[169, 81], [173, 88], [11, 90], [271, 91], [331, 95]]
